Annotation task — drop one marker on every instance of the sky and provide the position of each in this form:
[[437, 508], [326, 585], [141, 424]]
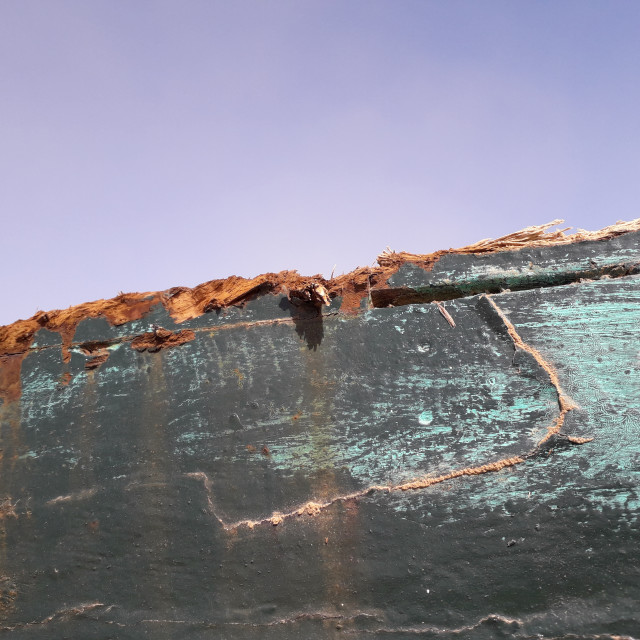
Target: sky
[[150, 144]]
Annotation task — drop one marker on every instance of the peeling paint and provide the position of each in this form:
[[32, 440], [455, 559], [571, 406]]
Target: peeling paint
[[310, 469]]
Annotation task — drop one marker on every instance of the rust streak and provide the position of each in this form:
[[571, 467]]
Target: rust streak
[[16, 338], [313, 508], [183, 303], [8, 509]]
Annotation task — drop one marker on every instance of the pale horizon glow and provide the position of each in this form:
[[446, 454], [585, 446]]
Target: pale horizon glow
[[153, 144]]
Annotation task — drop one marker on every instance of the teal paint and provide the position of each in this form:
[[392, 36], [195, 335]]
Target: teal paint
[[104, 471]]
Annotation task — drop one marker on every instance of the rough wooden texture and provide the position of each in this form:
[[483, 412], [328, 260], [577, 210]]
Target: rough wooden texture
[[286, 470]]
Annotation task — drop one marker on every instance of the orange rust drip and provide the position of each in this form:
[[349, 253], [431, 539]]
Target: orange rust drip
[[10, 384], [185, 303], [16, 338], [182, 304], [8, 509]]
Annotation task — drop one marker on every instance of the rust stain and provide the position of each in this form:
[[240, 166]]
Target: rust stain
[[184, 303], [240, 376], [313, 508], [10, 384], [342, 525], [8, 595], [160, 338], [150, 435], [93, 526], [16, 338], [10, 417]]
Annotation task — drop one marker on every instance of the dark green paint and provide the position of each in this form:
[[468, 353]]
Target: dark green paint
[[106, 473]]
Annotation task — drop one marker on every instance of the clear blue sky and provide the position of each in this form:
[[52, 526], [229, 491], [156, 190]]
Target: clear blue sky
[[149, 144]]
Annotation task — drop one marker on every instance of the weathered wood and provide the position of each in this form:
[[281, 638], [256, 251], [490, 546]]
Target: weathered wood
[[286, 472]]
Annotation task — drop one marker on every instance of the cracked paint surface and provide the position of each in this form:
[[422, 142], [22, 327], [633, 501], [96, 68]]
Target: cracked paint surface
[[360, 406], [428, 478]]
